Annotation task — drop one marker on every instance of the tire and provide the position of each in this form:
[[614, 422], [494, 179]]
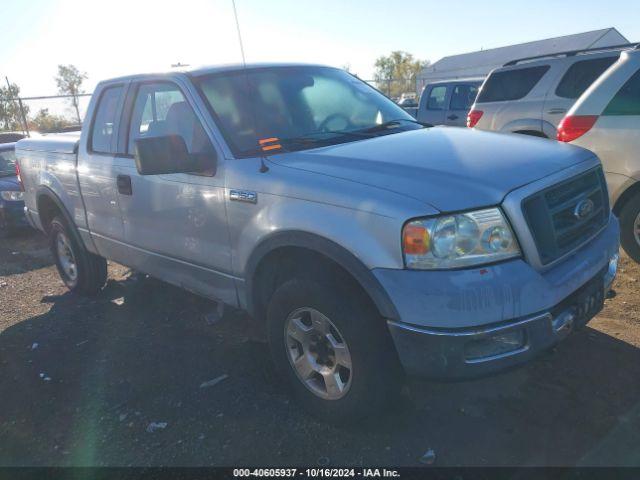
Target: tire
[[356, 328], [630, 227], [81, 271]]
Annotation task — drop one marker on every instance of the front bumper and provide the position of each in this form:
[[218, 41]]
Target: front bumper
[[468, 323]]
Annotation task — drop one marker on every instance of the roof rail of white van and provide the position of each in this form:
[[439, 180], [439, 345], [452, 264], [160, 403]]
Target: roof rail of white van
[[571, 53]]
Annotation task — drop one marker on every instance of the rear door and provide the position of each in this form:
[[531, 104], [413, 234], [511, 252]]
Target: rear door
[[433, 104], [175, 224], [575, 80], [461, 98], [511, 98], [97, 171]]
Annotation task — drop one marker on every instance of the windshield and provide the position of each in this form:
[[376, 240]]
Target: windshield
[[319, 104], [7, 162]]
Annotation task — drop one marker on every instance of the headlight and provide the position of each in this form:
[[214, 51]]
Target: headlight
[[461, 240], [12, 196]]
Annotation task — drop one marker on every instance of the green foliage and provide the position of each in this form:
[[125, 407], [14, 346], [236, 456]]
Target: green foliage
[[47, 122], [10, 117], [69, 81], [396, 73]]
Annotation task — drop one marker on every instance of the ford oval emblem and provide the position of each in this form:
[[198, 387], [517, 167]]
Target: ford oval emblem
[[583, 209]]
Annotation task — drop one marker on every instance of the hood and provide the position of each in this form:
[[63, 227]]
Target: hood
[[9, 184], [448, 168]]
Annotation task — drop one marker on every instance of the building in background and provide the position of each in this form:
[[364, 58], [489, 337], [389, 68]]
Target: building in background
[[479, 64]]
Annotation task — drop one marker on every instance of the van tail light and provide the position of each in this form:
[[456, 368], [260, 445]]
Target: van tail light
[[19, 176], [474, 117], [574, 126]]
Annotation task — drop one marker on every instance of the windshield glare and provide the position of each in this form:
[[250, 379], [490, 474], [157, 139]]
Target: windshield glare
[[295, 102], [7, 162]]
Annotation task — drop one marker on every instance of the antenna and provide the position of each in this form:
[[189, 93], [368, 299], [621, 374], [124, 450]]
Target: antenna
[[263, 166], [235, 14]]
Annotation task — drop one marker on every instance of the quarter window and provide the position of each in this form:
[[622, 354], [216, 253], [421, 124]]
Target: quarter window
[[627, 100], [435, 101], [161, 109], [102, 134], [511, 84], [582, 74]]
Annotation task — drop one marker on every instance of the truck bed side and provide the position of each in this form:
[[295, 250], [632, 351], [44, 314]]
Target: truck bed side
[[48, 165]]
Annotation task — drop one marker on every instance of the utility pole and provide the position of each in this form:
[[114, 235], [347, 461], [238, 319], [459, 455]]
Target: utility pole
[[25, 128]]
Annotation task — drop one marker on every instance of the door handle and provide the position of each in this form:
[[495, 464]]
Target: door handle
[[556, 111], [453, 117], [124, 185]]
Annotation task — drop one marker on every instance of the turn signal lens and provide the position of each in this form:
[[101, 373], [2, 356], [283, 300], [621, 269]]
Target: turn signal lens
[[415, 239]]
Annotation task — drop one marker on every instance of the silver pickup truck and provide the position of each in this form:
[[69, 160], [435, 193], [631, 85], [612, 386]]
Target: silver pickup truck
[[366, 244]]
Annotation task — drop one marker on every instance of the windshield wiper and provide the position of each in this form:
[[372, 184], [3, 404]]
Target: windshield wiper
[[394, 123]]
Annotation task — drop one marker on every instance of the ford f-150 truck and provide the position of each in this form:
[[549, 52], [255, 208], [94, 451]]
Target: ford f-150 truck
[[368, 245]]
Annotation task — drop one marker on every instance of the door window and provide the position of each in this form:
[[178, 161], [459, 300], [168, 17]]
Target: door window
[[582, 74], [463, 97], [436, 98], [104, 121], [627, 100], [161, 109]]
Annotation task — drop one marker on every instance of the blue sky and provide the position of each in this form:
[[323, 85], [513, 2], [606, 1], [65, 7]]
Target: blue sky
[[115, 37]]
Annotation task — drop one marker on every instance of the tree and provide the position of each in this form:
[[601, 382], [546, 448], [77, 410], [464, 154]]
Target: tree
[[47, 122], [396, 73], [10, 116], [69, 81]]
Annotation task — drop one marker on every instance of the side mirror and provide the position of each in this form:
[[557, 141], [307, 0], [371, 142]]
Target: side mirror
[[169, 154]]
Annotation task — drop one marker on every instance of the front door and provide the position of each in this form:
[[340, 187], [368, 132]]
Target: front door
[[175, 224], [433, 108]]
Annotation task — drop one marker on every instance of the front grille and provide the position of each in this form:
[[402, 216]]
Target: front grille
[[557, 222]]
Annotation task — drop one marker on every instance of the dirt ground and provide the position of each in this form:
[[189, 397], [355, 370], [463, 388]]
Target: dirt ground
[[83, 381]]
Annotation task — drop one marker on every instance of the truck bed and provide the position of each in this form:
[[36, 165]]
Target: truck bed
[[56, 143]]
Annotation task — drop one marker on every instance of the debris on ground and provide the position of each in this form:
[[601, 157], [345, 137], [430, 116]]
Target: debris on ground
[[79, 344], [118, 301], [34, 345], [45, 377], [429, 457], [214, 382], [3, 284], [154, 426]]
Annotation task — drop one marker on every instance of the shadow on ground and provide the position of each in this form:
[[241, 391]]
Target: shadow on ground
[[82, 383]]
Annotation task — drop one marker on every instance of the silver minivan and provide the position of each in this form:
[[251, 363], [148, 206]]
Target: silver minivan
[[531, 95], [447, 102]]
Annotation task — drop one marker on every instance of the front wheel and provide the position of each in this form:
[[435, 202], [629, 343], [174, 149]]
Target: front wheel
[[331, 345], [81, 271], [630, 228]]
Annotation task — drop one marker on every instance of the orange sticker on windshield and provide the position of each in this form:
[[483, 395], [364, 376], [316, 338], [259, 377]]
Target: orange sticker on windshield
[[269, 144]]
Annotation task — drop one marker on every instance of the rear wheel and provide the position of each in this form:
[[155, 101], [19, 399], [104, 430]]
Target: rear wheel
[[630, 227], [81, 271], [333, 348]]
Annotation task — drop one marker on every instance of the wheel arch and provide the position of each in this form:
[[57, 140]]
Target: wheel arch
[[49, 204], [292, 246], [632, 191]]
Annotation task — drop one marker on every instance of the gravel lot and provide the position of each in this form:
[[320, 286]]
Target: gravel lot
[[82, 381]]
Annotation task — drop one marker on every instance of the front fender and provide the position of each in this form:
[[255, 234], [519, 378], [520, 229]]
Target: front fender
[[357, 240]]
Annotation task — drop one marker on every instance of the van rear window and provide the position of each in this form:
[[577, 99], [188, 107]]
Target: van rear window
[[510, 84]]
